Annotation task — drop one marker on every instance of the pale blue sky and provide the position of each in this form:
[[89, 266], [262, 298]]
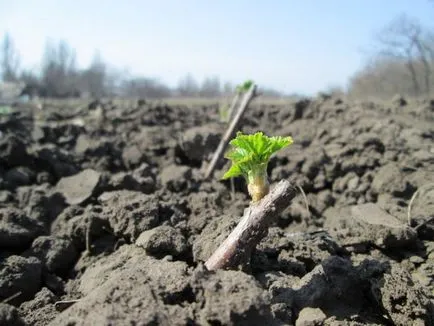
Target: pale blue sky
[[291, 45]]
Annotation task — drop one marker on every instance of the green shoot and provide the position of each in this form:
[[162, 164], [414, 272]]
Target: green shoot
[[250, 156], [244, 87]]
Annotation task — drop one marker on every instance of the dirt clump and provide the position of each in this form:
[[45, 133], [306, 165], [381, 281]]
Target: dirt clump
[[105, 218]]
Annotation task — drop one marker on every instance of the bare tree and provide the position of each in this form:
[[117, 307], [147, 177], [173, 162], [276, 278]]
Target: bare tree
[[60, 77], [425, 47], [33, 85], [405, 39], [402, 61], [228, 88], [145, 87], [59, 72], [10, 60], [381, 78], [188, 86], [94, 78], [210, 87]]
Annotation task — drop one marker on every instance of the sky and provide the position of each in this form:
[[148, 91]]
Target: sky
[[293, 46]]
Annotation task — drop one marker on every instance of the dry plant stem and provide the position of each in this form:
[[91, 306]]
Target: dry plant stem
[[232, 189], [427, 221], [230, 131], [233, 105], [13, 296], [305, 199], [425, 187], [89, 224], [237, 247]]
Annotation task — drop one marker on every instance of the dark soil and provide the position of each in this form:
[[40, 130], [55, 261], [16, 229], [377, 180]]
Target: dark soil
[[105, 218]]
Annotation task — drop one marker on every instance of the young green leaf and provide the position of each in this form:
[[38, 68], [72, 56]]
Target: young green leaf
[[252, 151], [244, 87], [234, 171], [249, 156]]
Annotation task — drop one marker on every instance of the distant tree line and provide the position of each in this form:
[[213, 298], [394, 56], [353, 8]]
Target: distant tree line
[[59, 76], [401, 62]]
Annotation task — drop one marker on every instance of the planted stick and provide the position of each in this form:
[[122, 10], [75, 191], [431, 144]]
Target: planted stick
[[250, 156], [12, 297], [233, 105], [230, 131], [252, 228]]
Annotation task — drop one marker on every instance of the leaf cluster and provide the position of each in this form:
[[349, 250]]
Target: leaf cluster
[[252, 152], [244, 87]]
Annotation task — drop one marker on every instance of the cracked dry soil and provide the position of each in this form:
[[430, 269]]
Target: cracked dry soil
[[105, 219]]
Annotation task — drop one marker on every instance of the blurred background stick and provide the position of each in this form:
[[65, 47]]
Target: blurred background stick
[[248, 97]]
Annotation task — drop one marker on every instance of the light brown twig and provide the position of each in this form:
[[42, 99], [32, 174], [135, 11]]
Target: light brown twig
[[233, 105], [12, 297], [230, 131], [88, 244], [253, 226]]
